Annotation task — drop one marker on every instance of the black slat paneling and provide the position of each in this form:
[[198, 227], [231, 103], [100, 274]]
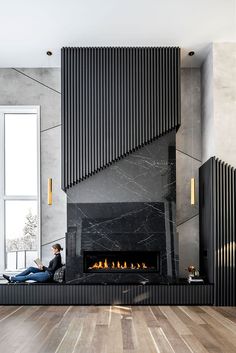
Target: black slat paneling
[[217, 227], [67, 294], [115, 100]]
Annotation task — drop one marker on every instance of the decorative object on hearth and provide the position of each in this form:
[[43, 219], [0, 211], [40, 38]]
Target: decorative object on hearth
[[193, 275], [194, 279], [191, 270]]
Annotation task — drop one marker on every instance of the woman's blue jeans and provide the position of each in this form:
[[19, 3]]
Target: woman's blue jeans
[[32, 273]]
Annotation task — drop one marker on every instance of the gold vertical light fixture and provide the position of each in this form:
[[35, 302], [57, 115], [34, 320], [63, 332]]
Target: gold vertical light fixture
[[192, 191], [49, 191], [192, 181]]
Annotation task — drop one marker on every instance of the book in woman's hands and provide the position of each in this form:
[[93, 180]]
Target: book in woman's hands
[[38, 262]]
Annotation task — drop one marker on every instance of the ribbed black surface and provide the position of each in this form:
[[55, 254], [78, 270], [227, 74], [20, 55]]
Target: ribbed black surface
[[114, 100], [217, 227], [47, 294]]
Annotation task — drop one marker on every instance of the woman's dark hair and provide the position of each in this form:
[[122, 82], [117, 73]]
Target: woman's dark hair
[[57, 246]]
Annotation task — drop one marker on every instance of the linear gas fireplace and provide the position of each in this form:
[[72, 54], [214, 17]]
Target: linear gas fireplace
[[121, 261]]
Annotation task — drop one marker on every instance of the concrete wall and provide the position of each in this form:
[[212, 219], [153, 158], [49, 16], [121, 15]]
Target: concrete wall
[[219, 106], [188, 161], [224, 74], [208, 140], [42, 87]]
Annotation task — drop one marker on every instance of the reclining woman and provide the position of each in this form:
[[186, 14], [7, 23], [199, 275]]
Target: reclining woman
[[42, 273]]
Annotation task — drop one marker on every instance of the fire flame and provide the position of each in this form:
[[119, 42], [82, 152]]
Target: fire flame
[[117, 265]]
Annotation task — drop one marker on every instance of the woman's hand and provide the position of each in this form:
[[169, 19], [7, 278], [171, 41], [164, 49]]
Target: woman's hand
[[40, 267]]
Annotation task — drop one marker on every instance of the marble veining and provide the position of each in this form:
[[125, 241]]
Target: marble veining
[[129, 206]]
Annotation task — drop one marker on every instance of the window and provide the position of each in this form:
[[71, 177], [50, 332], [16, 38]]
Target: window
[[19, 187]]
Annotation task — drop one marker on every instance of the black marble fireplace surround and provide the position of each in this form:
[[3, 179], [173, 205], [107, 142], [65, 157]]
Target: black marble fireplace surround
[[118, 227], [120, 112], [127, 208]]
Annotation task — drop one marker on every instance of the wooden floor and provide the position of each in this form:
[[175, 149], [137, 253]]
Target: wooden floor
[[104, 329]]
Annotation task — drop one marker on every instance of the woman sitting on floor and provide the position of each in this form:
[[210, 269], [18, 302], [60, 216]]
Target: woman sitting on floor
[[42, 273]]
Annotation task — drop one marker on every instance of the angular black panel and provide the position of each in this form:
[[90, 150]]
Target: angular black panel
[[217, 228], [115, 100]]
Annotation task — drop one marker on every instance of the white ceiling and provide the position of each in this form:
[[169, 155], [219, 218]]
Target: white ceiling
[[28, 28]]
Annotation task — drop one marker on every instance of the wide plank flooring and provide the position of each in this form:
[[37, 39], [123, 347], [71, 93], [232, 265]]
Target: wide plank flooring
[[115, 329]]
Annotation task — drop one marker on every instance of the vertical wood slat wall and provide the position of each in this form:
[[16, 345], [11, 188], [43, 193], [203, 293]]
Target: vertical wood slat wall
[[223, 232], [115, 100]]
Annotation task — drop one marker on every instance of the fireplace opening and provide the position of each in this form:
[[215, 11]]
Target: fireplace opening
[[121, 261]]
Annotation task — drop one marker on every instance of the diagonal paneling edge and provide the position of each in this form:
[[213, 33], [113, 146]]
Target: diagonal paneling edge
[[50, 128], [187, 220], [53, 241], [34, 79], [115, 100], [189, 155]]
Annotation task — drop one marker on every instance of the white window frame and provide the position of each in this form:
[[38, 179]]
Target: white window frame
[[21, 109]]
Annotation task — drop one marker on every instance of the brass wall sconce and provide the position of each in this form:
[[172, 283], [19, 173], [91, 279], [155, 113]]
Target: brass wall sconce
[[49, 191], [192, 191]]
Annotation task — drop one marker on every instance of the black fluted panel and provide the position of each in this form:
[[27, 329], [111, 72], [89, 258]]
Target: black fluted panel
[[115, 100], [48, 294], [217, 227]]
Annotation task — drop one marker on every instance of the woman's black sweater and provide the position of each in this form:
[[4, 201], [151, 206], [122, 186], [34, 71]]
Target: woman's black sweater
[[54, 264]]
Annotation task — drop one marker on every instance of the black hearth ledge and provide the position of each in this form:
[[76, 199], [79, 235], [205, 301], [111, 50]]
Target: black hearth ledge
[[106, 294]]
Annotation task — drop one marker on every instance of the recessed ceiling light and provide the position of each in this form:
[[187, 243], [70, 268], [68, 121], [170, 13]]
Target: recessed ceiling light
[[49, 53], [191, 53]]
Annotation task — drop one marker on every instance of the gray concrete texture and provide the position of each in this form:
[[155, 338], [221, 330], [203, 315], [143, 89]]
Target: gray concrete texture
[[208, 147], [188, 138], [19, 89], [188, 161], [219, 103], [224, 76], [42, 87], [53, 217], [188, 244]]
